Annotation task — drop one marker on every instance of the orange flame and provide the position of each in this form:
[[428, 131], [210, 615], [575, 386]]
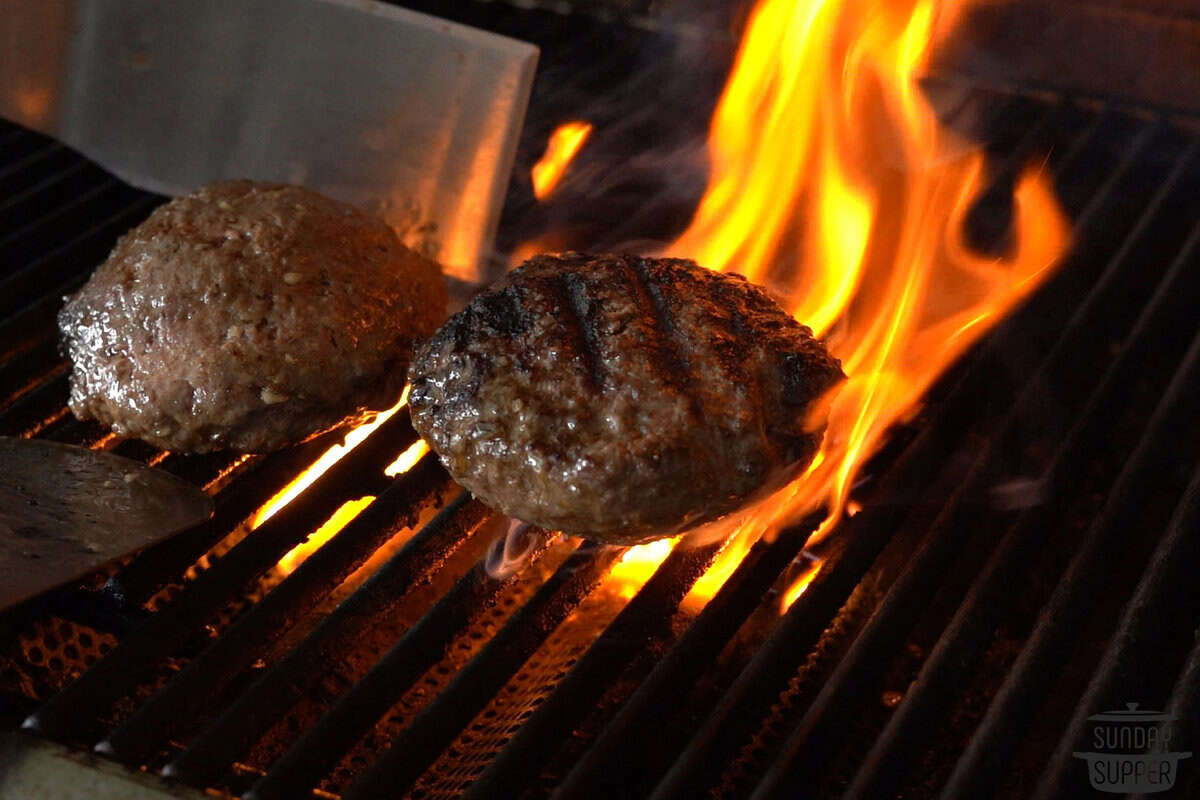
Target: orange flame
[[351, 508], [801, 584], [564, 144], [408, 459], [847, 147], [340, 519], [319, 467], [833, 184], [636, 566]]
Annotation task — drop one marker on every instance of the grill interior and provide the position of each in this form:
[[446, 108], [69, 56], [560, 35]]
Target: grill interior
[[1023, 558]]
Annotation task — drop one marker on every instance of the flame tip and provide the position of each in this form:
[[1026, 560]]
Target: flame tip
[[565, 142], [848, 172]]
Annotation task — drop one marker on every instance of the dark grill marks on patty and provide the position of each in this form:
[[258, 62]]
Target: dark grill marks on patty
[[579, 319], [667, 348], [635, 398]]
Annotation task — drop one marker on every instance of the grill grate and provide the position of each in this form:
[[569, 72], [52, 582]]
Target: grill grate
[[1022, 560]]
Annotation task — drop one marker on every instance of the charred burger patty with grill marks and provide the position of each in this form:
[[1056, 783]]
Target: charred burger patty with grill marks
[[248, 316], [621, 398]]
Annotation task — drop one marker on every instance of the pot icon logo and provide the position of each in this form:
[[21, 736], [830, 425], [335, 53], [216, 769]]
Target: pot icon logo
[[1131, 751]]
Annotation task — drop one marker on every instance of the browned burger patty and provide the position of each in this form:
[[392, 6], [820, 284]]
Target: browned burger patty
[[248, 316], [618, 397]]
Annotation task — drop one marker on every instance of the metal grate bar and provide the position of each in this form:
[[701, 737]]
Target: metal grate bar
[[820, 728], [78, 254], [34, 199], [1175, 561], [12, 173], [960, 408], [23, 389], [418, 745], [643, 623], [163, 563], [1026, 684], [757, 687], [34, 238], [212, 471], [238, 647], [169, 629], [64, 210], [1185, 695], [25, 368], [821, 725], [866, 660], [609, 766], [903, 601], [34, 411], [39, 403], [359, 709], [282, 685], [969, 632]]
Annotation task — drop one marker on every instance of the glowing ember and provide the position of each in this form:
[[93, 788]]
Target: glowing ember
[[564, 144], [340, 519], [408, 459], [318, 468]]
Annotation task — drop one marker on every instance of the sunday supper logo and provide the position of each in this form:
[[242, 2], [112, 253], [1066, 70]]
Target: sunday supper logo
[[1132, 751]]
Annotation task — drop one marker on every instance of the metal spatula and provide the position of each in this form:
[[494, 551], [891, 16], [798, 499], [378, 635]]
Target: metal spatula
[[66, 510], [410, 117]]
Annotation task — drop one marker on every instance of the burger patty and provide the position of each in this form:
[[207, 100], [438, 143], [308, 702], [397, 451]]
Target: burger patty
[[621, 398], [248, 316]]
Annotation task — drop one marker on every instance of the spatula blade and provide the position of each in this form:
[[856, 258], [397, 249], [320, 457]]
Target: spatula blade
[[67, 510]]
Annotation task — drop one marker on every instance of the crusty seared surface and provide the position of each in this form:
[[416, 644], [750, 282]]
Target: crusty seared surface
[[618, 397], [248, 316]]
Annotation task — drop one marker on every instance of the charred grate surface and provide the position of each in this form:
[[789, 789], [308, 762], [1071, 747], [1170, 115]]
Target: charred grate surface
[[1023, 559]]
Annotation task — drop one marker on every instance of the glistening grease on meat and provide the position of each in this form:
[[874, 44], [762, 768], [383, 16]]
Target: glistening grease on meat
[[248, 316], [621, 398]]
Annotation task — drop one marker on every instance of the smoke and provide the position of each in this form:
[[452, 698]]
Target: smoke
[[635, 183], [516, 548]]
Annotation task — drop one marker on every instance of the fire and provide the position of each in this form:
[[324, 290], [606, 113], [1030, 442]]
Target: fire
[[548, 243], [318, 468], [350, 509], [801, 584], [340, 519], [834, 185], [564, 144], [408, 459], [847, 150], [637, 565]]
